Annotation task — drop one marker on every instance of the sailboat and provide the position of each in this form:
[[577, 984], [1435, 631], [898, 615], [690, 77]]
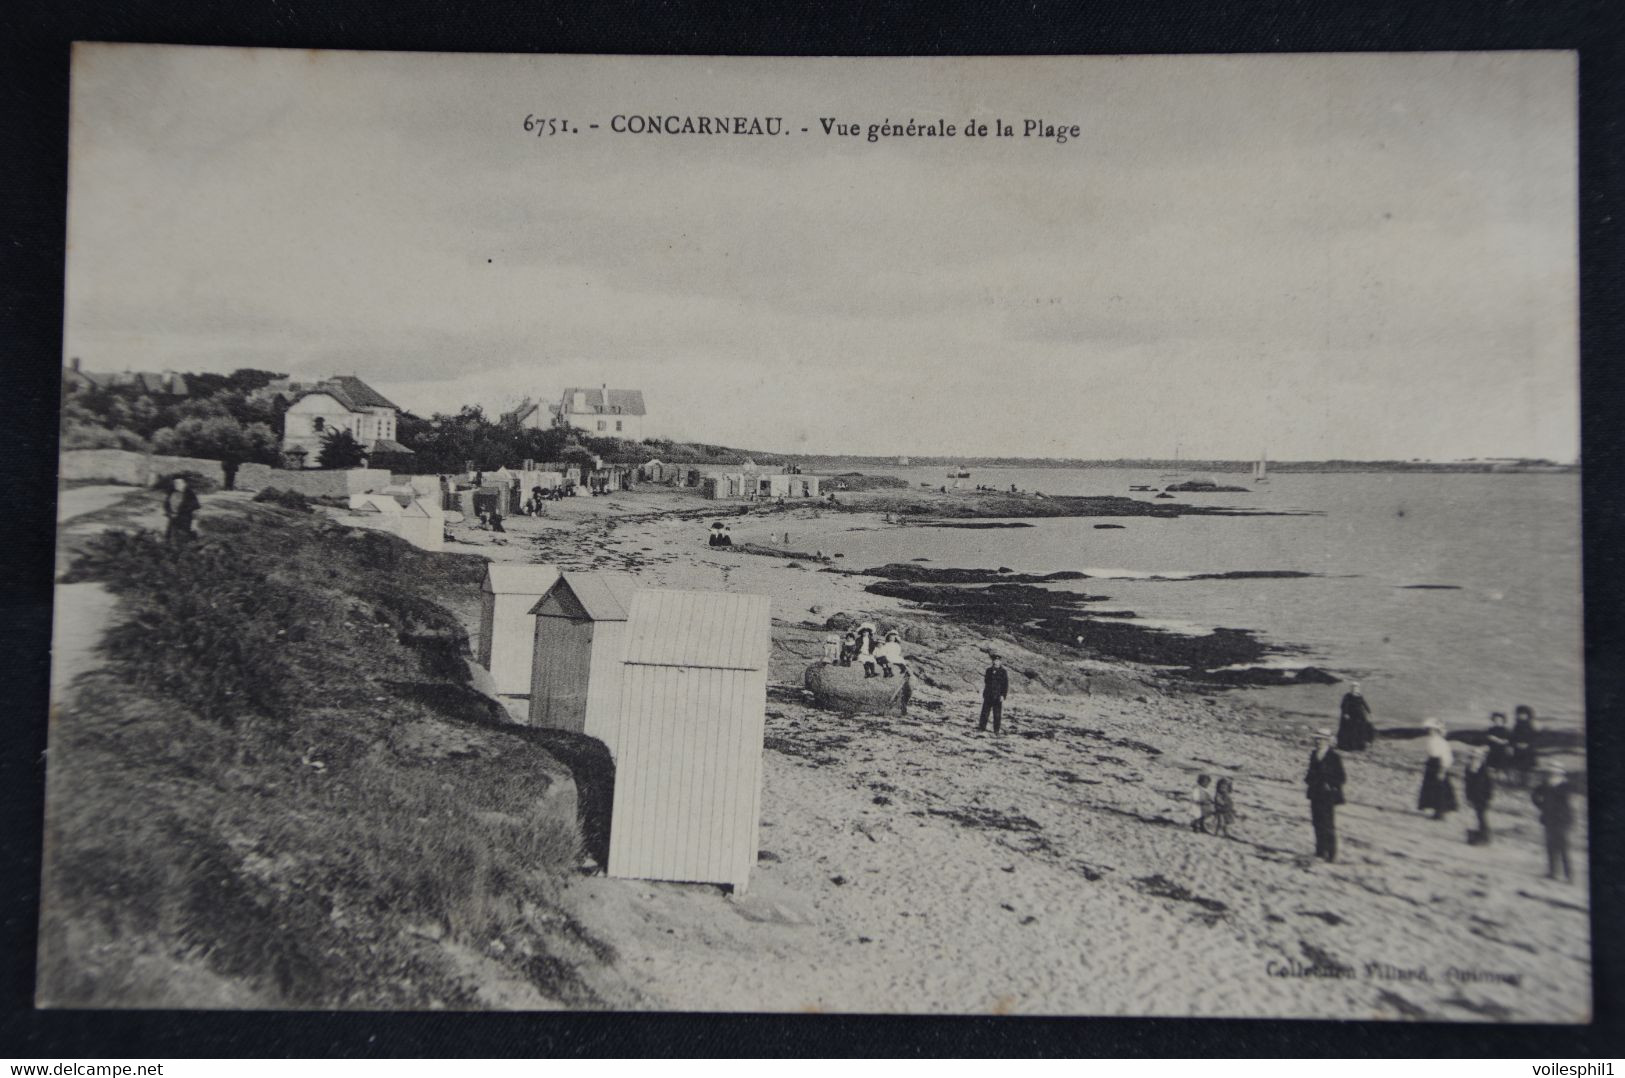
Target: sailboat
[[1261, 469], [1176, 473]]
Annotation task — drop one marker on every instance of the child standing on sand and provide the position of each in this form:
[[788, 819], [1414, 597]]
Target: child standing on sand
[[1202, 798], [1224, 807]]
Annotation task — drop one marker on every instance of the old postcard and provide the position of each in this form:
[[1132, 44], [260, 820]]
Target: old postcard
[[1086, 536]]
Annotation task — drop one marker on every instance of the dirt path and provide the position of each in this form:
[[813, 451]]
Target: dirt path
[[74, 502]]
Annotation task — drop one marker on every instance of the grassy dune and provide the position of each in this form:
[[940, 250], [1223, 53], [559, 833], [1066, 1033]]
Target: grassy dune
[[279, 791]]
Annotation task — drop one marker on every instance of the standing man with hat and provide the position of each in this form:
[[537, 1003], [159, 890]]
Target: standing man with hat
[[1324, 786], [995, 687], [1551, 797]]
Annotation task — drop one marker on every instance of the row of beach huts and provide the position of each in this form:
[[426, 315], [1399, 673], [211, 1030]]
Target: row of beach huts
[[673, 683]]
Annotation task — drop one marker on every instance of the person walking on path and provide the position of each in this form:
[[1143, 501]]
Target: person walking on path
[[1324, 787], [1498, 744], [1551, 797], [1478, 786], [1354, 730], [1437, 795], [179, 506], [995, 687], [1523, 743]]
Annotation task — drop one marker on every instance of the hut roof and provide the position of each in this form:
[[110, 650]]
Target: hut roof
[[712, 629], [374, 503], [508, 579], [598, 596]]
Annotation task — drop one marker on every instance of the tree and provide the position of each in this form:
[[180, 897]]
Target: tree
[[219, 437], [341, 450]]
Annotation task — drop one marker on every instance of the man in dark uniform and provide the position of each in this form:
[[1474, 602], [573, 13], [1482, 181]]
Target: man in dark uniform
[[1324, 783], [995, 687], [1551, 798]]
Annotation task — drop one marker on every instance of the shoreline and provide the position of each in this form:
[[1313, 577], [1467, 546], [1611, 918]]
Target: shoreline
[[912, 864], [905, 861]]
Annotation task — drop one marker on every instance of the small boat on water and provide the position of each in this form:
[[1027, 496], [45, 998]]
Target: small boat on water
[[1141, 486], [959, 473], [1176, 473], [1261, 469]]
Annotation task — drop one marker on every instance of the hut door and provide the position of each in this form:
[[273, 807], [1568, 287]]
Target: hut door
[[564, 661]]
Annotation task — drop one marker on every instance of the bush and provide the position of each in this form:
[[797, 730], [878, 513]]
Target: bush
[[206, 627], [287, 499]]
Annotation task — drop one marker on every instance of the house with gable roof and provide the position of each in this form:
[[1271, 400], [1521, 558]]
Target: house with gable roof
[[601, 412], [344, 402]]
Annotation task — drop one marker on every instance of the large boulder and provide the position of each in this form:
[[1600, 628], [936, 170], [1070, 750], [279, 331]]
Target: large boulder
[[845, 689]]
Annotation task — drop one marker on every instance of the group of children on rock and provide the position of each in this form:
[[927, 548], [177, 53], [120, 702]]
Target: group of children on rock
[[883, 659]]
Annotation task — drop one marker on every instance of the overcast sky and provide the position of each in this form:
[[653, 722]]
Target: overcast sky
[[1363, 256]]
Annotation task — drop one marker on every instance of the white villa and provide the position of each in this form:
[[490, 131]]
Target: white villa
[[601, 412], [343, 402]]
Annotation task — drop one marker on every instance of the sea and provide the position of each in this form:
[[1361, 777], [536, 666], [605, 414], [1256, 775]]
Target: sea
[[1446, 595]]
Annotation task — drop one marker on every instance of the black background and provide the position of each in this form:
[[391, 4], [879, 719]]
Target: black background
[[34, 51]]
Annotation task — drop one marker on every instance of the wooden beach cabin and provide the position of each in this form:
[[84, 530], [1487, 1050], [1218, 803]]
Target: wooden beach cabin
[[423, 524], [688, 763], [575, 672], [507, 626]]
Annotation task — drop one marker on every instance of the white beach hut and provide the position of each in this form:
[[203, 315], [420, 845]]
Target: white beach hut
[[423, 524], [688, 770], [507, 627], [575, 672]]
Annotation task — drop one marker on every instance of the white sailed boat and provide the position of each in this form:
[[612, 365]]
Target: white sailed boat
[[1261, 469], [1177, 473]]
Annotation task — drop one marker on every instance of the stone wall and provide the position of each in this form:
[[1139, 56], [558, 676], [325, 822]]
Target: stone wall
[[313, 483], [132, 468]]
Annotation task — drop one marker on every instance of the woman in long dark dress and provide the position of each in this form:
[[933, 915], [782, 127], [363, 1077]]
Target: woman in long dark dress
[[1354, 729], [1523, 743], [1438, 796]]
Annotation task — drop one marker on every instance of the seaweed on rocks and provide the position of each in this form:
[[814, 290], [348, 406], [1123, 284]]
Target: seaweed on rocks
[[1224, 657], [925, 575]]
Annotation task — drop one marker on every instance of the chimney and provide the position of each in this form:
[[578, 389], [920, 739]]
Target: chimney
[[605, 388], [73, 364]]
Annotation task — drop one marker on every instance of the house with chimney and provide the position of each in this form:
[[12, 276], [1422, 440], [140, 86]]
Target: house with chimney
[[164, 386], [343, 402], [601, 413]]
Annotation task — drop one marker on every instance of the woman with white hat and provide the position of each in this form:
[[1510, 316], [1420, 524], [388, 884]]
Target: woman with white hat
[[1437, 795], [890, 654], [866, 648]]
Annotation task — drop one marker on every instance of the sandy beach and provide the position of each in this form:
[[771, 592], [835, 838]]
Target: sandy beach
[[914, 864]]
